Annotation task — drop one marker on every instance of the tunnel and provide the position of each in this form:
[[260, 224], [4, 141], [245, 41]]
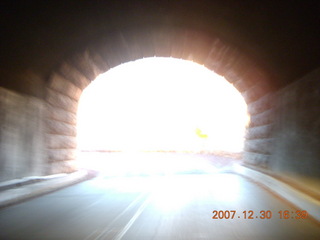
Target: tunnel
[[52, 50]]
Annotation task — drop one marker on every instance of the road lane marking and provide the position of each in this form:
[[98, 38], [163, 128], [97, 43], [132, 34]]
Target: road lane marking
[[133, 219], [110, 225]]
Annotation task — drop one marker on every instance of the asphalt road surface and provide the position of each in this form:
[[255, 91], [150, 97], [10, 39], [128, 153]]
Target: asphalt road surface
[[172, 206]]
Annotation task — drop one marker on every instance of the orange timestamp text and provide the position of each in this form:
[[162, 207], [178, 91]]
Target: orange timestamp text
[[263, 214]]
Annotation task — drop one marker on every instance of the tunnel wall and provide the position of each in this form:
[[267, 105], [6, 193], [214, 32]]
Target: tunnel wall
[[284, 132], [62, 96], [296, 145], [22, 148], [259, 136]]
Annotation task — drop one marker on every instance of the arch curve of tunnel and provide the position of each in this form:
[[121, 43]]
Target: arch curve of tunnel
[[75, 73]]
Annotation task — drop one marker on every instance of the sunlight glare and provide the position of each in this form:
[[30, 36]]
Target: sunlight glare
[[158, 104]]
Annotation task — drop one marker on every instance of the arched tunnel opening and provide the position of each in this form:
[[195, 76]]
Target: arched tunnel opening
[[160, 105], [51, 52]]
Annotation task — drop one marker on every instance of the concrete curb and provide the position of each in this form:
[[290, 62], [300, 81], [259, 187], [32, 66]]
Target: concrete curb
[[23, 189], [28, 180], [297, 198]]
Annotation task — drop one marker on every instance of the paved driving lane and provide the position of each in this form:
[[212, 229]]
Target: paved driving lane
[[158, 207]]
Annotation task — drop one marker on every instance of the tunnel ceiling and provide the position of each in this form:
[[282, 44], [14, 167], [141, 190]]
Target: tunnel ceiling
[[282, 38]]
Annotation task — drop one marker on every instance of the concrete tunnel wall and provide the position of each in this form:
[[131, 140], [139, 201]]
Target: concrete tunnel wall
[[38, 116]]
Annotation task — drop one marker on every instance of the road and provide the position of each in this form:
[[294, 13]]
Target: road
[[172, 206]]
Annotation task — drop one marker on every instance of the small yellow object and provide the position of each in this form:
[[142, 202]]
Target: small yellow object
[[200, 134]]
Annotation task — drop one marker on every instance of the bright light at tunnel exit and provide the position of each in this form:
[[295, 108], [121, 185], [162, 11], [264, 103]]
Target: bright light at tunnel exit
[[161, 104]]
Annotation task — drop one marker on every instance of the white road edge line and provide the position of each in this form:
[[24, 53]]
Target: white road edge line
[[132, 220], [133, 203]]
